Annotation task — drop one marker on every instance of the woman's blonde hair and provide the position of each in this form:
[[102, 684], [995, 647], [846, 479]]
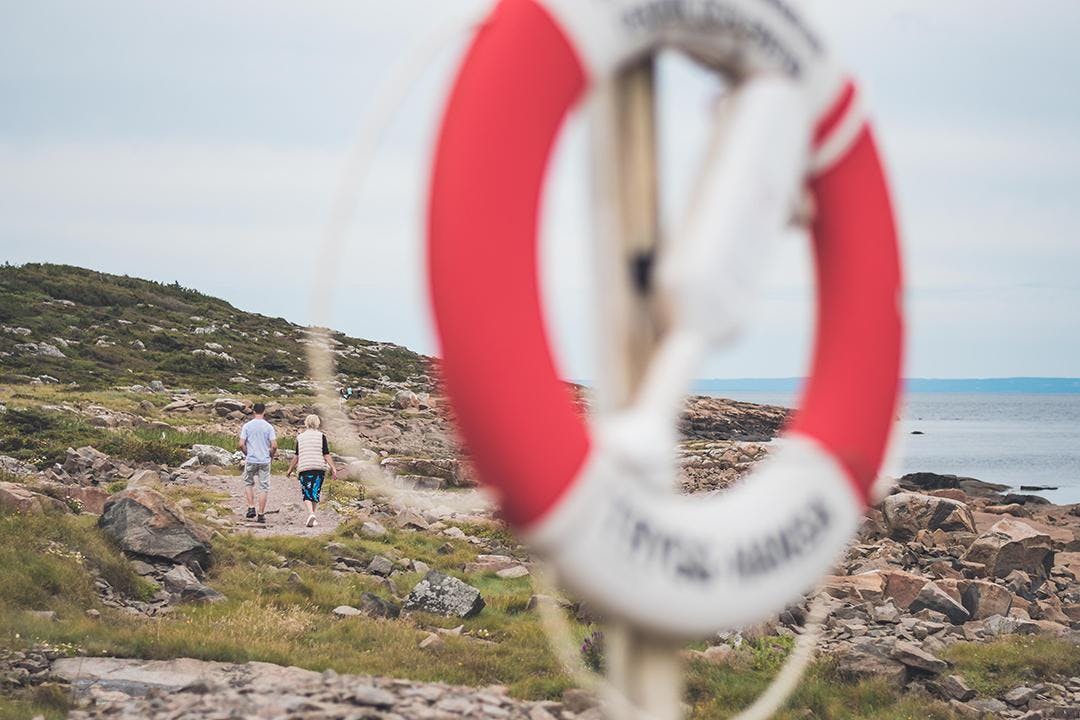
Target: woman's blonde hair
[[312, 421]]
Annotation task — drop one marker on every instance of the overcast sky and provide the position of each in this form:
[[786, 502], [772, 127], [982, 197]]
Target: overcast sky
[[202, 142]]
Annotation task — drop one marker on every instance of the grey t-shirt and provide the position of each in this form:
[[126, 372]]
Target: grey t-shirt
[[259, 436]]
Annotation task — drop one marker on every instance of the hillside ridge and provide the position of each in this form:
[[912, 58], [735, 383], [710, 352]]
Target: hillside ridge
[[66, 324]]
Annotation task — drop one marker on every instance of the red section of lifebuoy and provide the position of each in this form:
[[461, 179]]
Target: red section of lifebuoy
[[850, 399], [518, 82]]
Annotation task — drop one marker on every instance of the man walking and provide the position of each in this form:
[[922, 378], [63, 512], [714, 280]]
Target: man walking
[[258, 442]]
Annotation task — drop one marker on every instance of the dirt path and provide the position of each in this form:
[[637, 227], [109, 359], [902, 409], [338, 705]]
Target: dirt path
[[285, 511]]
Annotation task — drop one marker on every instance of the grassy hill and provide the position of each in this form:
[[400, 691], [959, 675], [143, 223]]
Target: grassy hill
[[104, 330]]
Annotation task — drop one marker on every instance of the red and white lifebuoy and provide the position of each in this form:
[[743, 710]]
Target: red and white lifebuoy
[[679, 565]]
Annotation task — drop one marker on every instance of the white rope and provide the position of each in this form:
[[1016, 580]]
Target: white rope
[[388, 101]]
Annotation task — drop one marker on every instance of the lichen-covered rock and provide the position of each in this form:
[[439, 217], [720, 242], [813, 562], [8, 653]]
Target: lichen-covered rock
[[144, 522], [214, 455], [444, 595]]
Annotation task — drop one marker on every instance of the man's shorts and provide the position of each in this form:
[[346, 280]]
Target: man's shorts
[[260, 472]]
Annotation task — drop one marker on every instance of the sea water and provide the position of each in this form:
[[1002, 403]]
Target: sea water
[[1008, 438]]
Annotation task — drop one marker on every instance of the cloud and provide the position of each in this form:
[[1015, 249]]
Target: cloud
[[203, 143]]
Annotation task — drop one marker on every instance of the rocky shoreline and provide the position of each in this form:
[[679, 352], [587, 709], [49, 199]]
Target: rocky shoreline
[[941, 560]]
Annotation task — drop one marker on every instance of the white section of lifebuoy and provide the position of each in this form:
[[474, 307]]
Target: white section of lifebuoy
[[721, 561], [837, 142], [596, 497], [741, 38]]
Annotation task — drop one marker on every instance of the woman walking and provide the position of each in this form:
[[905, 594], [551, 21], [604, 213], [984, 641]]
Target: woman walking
[[312, 460]]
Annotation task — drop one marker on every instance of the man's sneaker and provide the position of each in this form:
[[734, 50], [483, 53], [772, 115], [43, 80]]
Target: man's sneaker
[[261, 519], [250, 513], [311, 522]]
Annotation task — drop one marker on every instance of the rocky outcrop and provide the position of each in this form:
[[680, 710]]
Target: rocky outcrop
[[448, 470], [20, 499], [40, 349], [90, 463], [202, 690], [16, 467], [711, 418], [926, 481], [144, 522], [444, 595], [716, 464], [1013, 545], [907, 513], [79, 498]]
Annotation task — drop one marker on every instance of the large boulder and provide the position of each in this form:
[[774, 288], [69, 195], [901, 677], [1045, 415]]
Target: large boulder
[[223, 406], [20, 499], [405, 399], [374, 606], [214, 455], [181, 581], [907, 513], [903, 587], [444, 595], [915, 657], [933, 597], [865, 660], [983, 599], [1013, 545], [144, 522]]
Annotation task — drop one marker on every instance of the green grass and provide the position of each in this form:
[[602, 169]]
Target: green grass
[[272, 618], [269, 618], [45, 562], [42, 437], [994, 668], [49, 701], [721, 691]]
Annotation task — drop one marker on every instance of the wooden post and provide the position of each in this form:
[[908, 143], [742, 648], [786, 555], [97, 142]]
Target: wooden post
[[646, 670]]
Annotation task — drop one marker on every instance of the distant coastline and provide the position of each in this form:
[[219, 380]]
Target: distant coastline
[[1013, 385]]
